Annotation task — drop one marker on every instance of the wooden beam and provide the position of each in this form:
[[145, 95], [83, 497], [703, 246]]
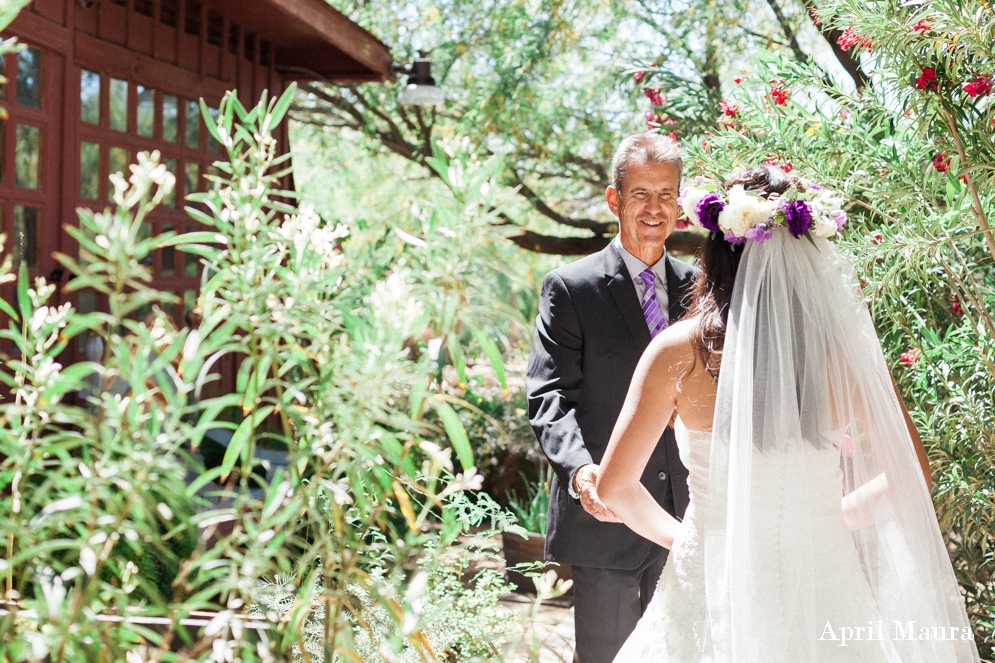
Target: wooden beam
[[336, 29], [36, 29], [120, 62]]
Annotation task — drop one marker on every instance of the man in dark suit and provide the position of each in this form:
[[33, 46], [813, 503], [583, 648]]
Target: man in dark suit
[[596, 316]]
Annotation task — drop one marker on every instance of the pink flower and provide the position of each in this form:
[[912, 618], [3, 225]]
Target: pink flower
[[910, 356], [941, 162], [638, 76], [669, 122], [815, 15], [729, 108], [851, 38], [922, 26], [653, 94], [979, 86], [928, 79], [876, 239], [778, 94], [672, 137]]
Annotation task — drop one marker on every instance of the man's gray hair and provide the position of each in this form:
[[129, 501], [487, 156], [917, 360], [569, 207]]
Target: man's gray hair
[[648, 147]]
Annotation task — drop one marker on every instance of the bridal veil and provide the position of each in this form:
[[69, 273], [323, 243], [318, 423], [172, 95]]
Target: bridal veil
[[806, 405]]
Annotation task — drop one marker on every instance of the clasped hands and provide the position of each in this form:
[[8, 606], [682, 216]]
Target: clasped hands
[[585, 482]]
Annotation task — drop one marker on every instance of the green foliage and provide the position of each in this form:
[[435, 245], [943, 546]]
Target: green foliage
[[917, 166], [104, 506], [531, 511]]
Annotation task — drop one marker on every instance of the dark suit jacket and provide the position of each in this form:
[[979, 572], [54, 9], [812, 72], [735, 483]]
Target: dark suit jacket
[[590, 334]]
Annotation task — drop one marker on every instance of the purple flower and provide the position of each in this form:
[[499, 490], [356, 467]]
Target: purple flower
[[732, 239], [799, 216], [759, 233], [708, 210], [816, 187], [839, 216]]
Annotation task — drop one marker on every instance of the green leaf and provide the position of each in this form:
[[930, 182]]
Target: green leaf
[[455, 431], [239, 444], [282, 106], [459, 361], [23, 301], [490, 349]]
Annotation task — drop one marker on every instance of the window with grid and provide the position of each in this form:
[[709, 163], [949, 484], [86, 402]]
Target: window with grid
[[118, 119], [26, 123]]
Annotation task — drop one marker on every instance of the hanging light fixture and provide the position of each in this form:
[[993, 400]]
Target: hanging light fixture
[[421, 89]]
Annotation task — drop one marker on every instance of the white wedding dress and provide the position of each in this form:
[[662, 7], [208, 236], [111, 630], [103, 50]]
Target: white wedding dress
[[675, 625]]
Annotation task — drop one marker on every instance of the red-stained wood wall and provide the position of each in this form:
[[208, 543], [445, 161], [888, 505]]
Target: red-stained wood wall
[[101, 80]]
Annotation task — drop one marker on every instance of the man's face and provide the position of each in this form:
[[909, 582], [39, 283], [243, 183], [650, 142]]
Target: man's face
[[646, 207]]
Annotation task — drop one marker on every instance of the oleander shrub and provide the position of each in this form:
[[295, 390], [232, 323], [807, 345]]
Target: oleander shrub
[[114, 533]]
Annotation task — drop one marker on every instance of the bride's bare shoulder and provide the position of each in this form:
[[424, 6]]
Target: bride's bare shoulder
[[672, 350]]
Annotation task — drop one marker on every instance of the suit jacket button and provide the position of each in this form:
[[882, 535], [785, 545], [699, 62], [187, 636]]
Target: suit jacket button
[[662, 476]]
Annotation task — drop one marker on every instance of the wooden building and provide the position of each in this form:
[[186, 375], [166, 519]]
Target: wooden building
[[101, 80]]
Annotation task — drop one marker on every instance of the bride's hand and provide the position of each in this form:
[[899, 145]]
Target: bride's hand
[[585, 484]]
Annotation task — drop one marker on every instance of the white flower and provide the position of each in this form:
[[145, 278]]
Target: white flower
[[690, 203], [824, 211], [743, 211]]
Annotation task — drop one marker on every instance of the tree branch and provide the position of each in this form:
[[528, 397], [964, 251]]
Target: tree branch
[[682, 242], [846, 59], [789, 32], [598, 227]]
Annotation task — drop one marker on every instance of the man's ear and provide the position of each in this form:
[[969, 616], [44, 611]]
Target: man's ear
[[611, 196]]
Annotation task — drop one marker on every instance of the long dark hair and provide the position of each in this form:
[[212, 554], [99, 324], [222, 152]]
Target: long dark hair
[[719, 262]]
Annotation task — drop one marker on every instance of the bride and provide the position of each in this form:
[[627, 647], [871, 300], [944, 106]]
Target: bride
[[810, 535]]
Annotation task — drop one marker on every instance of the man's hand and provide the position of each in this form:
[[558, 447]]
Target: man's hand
[[585, 485]]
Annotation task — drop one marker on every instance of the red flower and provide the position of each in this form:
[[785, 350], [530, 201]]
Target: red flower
[[737, 80], [672, 137], [928, 79], [653, 94], [815, 15], [957, 308], [851, 38], [979, 86], [876, 239], [910, 356], [777, 92], [704, 144], [786, 166], [922, 26], [638, 76], [729, 108], [683, 223], [941, 162]]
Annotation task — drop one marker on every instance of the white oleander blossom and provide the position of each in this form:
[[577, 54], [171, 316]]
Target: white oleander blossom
[[305, 230], [743, 211], [393, 302]]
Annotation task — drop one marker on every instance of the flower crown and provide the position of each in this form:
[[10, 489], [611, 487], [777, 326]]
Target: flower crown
[[743, 215]]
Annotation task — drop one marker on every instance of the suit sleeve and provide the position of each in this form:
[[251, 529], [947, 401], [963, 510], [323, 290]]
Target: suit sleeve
[[553, 380]]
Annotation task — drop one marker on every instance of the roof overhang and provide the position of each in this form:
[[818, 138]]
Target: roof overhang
[[313, 41]]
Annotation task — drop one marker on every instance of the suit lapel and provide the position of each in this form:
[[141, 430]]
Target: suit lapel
[[676, 291], [624, 293]]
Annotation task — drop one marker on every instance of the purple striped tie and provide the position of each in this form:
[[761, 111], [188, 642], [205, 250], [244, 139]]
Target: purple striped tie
[[652, 310]]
